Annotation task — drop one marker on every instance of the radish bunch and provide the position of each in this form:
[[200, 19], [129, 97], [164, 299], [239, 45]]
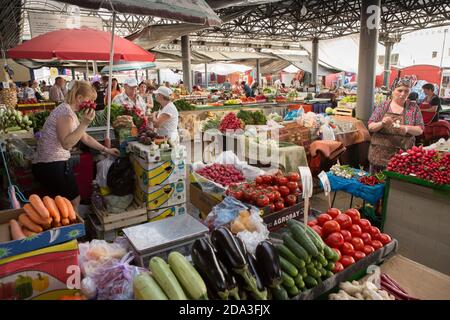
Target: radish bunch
[[230, 122], [429, 165], [88, 104], [224, 174]]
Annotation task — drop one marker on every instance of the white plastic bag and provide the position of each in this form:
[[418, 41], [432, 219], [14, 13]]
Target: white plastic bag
[[251, 239], [102, 171], [328, 133]]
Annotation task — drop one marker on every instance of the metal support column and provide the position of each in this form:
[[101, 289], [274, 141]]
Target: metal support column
[[158, 76], [206, 75], [136, 75], [146, 74], [258, 72], [186, 61], [387, 63], [72, 70], [368, 39], [315, 61]]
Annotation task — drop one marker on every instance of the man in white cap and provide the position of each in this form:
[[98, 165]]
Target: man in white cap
[[166, 119], [129, 97]]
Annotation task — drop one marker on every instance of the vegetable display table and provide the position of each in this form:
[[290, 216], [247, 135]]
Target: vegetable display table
[[37, 106], [416, 213]]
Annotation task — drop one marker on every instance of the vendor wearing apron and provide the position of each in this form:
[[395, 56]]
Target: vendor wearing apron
[[165, 120], [394, 125], [431, 105], [61, 132]]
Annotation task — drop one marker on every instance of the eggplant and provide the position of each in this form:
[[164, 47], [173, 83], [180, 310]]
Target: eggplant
[[230, 280], [206, 262], [241, 245], [262, 294], [268, 262], [226, 244]]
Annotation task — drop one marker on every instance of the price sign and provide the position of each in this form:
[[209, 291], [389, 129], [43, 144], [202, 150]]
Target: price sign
[[307, 186], [326, 186]]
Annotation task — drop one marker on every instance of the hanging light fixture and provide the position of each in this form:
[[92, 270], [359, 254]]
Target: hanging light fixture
[[303, 11]]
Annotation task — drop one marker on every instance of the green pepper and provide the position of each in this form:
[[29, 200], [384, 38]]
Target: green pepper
[[24, 287]]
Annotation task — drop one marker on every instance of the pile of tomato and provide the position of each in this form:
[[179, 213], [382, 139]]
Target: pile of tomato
[[350, 236], [274, 191]]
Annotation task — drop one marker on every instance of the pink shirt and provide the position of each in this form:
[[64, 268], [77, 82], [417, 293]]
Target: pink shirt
[[49, 149]]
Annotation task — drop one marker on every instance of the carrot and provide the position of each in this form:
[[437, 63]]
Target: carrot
[[34, 216], [62, 206], [27, 232], [26, 221], [38, 205], [52, 208], [72, 214], [16, 230], [65, 221]]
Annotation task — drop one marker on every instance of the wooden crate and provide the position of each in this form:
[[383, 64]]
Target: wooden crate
[[343, 111], [110, 221]]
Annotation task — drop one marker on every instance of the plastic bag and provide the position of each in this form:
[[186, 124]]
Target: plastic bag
[[327, 133], [120, 178], [117, 204], [261, 233], [102, 171], [224, 212], [114, 280], [88, 288]]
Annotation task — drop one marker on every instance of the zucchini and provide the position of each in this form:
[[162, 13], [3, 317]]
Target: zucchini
[[303, 239], [330, 254], [166, 279], [146, 288], [292, 291], [287, 280], [310, 282], [279, 293], [290, 256], [330, 266], [288, 267], [323, 261], [188, 277], [296, 248]]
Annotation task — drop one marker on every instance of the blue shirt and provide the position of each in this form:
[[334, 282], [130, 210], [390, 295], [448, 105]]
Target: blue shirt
[[247, 90]]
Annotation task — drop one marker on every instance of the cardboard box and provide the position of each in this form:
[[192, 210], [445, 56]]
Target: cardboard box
[[158, 173], [39, 274], [167, 212], [149, 156], [44, 239], [418, 280], [163, 196], [202, 201]]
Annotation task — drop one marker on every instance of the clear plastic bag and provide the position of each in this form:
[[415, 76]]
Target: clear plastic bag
[[261, 233], [117, 204], [327, 133], [102, 171], [224, 212]]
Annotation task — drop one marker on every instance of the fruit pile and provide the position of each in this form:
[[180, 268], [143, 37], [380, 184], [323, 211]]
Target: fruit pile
[[28, 101], [231, 122], [372, 180], [350, 236], [429, 165], [276, 191], [224, 174]]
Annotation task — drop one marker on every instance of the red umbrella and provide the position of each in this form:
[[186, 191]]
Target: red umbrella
[[79, 44]]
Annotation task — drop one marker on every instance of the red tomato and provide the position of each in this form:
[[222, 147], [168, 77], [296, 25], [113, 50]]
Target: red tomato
[[272, 207], [365, 225], [344, 221], [347, 249], [284, 191], [293, 176], [366, 237], [271, 196], [355, 230], [282, 181], [376, 244], [358, 244], [330, 227], [312, 223], [384, 238], [347, 235], [275, 188], [277, 195], [262, 201], [267, 179], [335, 240], [338, 267], [318, 230], [374, 232], [338, 253], [279, 205], [259, 180], [358, 255], [322, 218], [291, 200], [248, 195], [334, 212], [368, 249], [347, 260], [238, 194], [293, 186], [353, 214]]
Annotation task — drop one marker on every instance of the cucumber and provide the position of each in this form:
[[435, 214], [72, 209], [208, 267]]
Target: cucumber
[[330, 254], [290, 256], [288, 267], [299, 282], [279, 293], [322, 271], [310, 265], [166, 279], [296, 248], [329, 274], [287, 280], [310, 282], [304, 273], [323, 261], [303, 239], [146, 288], [330, 266], [315, 238], [292, 291], [189, 278], [297, 279], [314, 272], [317, 264]]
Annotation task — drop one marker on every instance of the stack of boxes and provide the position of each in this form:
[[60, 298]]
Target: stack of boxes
[[160, 179]]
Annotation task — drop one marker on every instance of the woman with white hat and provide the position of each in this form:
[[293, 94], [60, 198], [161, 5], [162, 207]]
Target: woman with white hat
[[166, 119]]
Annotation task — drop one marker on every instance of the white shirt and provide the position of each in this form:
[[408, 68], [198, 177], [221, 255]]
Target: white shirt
[[169, 128], [57, 93], [122, 99], [26, 93]]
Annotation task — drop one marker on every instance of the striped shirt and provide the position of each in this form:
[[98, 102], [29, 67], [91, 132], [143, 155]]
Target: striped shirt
[[49, 148]]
